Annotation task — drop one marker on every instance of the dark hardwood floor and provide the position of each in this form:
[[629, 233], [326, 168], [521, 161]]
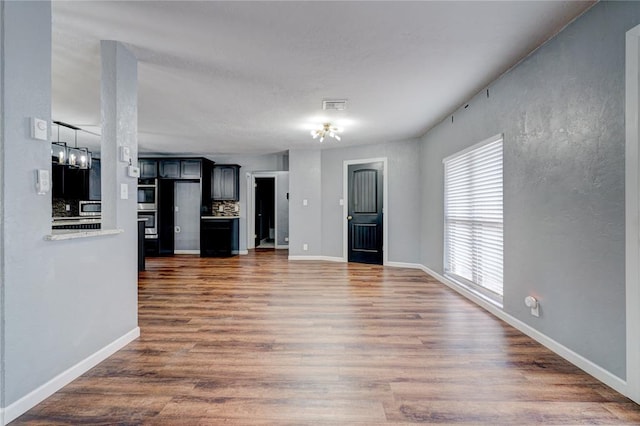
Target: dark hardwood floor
[[259, 340]]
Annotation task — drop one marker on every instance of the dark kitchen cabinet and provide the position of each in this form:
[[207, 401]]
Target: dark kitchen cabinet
[[94, 189], [190, 169], [179, 169], [166, 223], [225, 182], [148, 168], [169, 169], [69, 183], [217, 237]]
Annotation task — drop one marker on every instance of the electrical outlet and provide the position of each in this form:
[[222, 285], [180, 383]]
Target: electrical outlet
[[67, 207], [221, 208], [286, 239], [305, 247]]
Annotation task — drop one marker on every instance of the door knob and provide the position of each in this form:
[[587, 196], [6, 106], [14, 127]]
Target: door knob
[[349, 217], [178, 229]]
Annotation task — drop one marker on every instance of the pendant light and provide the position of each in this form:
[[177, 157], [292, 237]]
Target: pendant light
[[75, 157]]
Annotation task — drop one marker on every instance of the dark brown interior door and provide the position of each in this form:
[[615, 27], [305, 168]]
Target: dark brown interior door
[[365, 212]]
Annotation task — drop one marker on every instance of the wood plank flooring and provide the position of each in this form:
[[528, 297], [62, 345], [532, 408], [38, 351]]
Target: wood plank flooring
[[259, 340]]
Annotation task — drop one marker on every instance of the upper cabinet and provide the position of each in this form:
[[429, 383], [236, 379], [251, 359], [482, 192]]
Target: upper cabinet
[[225, 182], [169, 169], [148, 168], [190, 169], [94, 190], [76, 184], [179, 169]]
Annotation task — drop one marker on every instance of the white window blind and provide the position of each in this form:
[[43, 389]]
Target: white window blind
[[473, 217]]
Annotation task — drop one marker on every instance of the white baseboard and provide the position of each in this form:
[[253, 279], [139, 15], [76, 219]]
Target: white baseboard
[[576, 359], [186, 252], [404, 265], [33, 398], [240, 252], [282, 246], [322, 258]]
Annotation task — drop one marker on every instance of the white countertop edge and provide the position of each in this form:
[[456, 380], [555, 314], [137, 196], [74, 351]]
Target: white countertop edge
[[86, 233], [219, 217]]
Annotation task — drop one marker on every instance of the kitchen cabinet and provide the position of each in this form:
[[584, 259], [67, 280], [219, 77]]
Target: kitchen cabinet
[[70, 183], [225, 182], [180, 169], [148, 168], [94, 189], [217, 237], [169, 169], [190, 169]]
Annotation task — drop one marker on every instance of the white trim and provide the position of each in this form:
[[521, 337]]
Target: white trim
[[38, 395], [345, 206], [576, 359], [251, 224], [316, 258], [404, 265], [632, 212], [186, 252], [240, 252], [282, 246]]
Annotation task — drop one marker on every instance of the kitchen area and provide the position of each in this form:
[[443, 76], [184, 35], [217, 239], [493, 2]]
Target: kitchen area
[[186, 205]]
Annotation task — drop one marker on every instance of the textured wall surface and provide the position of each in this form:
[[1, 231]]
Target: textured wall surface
[[65, 300], [562, 114], [403, 213], [305, 224]]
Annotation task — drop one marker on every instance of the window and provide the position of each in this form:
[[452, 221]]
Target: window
[[473, 250]]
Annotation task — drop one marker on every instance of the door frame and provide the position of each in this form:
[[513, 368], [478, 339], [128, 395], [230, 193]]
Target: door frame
[[632, 212], [345, 206], [251, 207]]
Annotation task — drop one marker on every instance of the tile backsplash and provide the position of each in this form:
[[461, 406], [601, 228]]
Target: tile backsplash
[[59, 207], [230, 208]]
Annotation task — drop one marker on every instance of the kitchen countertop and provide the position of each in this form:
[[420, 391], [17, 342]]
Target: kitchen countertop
[[219, 217]]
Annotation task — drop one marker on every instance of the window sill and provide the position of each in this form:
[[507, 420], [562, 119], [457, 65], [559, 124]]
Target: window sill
[[71, 234], [492, 299]]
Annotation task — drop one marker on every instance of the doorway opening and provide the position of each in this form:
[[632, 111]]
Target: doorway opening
[[265, 212]]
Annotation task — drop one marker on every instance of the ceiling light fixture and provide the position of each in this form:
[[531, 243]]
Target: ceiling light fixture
[[326, 130]]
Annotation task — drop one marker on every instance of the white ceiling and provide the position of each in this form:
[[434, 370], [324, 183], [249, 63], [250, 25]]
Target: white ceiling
[[243, 77]]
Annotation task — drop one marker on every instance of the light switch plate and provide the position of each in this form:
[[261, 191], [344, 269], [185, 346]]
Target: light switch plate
[[124, 191]]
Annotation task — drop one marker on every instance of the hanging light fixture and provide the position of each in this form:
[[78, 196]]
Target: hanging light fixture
[[77, 157], [326, 130]]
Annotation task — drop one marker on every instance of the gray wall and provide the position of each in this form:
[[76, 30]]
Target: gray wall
[[403, 197], [64, 300], [282, 207], [305, 224], [562, 114]]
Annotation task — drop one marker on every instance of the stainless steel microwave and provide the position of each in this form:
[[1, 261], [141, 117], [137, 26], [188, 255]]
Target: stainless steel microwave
[[90, 208]]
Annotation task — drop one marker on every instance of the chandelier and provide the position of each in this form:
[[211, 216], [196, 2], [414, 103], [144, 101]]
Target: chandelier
[[70, 156], [326, 130]]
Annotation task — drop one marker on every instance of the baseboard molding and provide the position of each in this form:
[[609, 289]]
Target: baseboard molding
[[404, 265], [322, 258], [33, 398], [240, 252], [186, 252], [282, 246], [576, 359]]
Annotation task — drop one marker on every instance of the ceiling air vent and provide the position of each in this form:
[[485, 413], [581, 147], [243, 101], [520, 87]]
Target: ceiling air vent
[[334, 105]]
